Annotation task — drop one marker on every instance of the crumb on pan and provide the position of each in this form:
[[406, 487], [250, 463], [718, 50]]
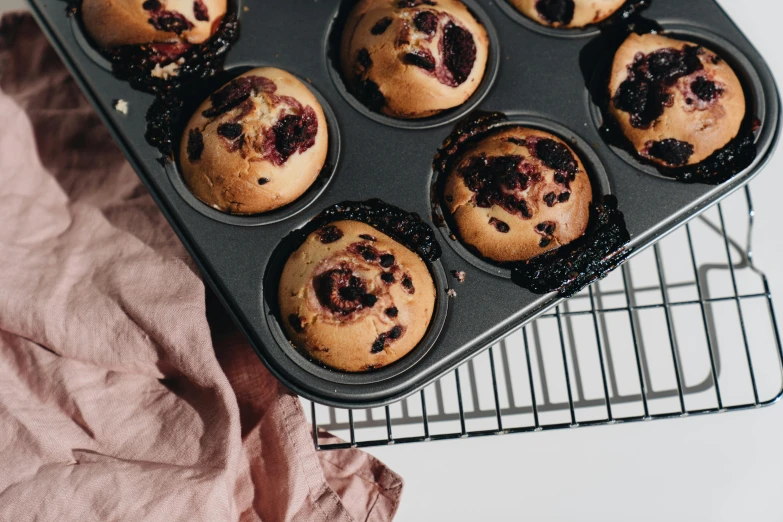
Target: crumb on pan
[[121, 106], [166, 71], [452, 292]]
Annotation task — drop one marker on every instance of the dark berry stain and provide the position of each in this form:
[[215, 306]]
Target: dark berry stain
[[200, 11], [368, 237], [296, 323], [263, 181], [381, 26], [421, 58], [363, 59], [500, 226], [195, 145], [564, 197], [387, 278], [235, 93], [459, 52], [550, 199], [407, 284], [673, 152], [169, 21], [329, 234], [402, 4], [556, 11], [368, 253], [646, 92], [555, 155], [370, 95], [395, 332], [152, 5], [385, 338], [545, 242], [705, 89], [494, 180], [387, 260], [341, 292], [426, 22], [392, 312], [291, 134], [230, 131]]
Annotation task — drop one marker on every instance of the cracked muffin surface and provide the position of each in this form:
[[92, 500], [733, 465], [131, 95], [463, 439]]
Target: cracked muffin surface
[[256, 144], [113, 23], [518, 193], [413, 58], [355, 299], [569, 14], [677, 102]]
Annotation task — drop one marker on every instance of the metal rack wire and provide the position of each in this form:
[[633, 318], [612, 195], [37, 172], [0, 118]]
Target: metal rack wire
[[685, 328]]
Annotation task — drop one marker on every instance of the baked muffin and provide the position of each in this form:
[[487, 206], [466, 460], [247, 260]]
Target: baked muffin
[[355, 299], [676, 102], [569, 14], [518, 193], [415, 58], [256, 144], [113, 23]]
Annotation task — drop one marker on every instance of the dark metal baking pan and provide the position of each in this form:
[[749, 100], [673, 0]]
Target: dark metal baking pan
[[534, 76]]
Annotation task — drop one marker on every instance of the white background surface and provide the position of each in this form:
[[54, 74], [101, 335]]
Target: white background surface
[[713, 468]]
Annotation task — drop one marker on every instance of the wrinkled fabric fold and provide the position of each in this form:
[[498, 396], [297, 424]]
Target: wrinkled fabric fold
[[118, 399]]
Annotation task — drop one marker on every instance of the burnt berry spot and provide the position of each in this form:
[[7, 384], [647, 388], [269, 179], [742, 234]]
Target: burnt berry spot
[[368, 237], [395, 333], [705, 89], [491, 179], [392, 312], [500, 226], [381, 26], [370, 95], [556, 11], [555, 155], [545, 242], [550, 199], [170, 21], [291, 134], [200, 11], [387, 260], [387, 278], [368, 253], [563, 197], [671, 151], [263, 181], [329, 233], [407, 284], [151, 5], [369, 300], [195, 145], [230, 131], [645, 93], [379, 344], [459, 52], [296, 323], [426, 22], [422, 59], [363, 59]]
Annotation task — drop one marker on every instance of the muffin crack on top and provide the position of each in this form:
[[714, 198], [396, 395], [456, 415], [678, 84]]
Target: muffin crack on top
[[412, 59]]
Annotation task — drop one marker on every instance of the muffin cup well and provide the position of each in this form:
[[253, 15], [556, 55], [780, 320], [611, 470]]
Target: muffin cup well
[[332, 47], [274, 322], [597, 98], [318, 187], [595, 169]]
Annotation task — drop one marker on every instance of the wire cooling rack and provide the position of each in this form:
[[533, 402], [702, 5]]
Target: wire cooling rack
[[685, 328]]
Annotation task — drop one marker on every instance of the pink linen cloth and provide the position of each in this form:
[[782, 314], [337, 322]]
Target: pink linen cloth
[[118, 400]]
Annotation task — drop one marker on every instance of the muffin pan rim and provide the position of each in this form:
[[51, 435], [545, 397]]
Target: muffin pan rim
[[441, 119], [599, 180], [300, 204]]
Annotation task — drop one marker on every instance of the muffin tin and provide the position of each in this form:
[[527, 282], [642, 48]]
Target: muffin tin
[[533, 76]]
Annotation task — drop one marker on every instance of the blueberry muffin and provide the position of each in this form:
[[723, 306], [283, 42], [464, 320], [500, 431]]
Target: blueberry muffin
[[676, 102], [518, 193], [256, 144], [568, 14], [355, 299], [114, 23], [414, 58]]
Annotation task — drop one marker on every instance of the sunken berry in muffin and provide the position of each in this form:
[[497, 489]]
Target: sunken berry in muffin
[[355, 299], [568, 14], [256, 144], [518, 193], [413, 58], [676, 101], [115, 23]]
